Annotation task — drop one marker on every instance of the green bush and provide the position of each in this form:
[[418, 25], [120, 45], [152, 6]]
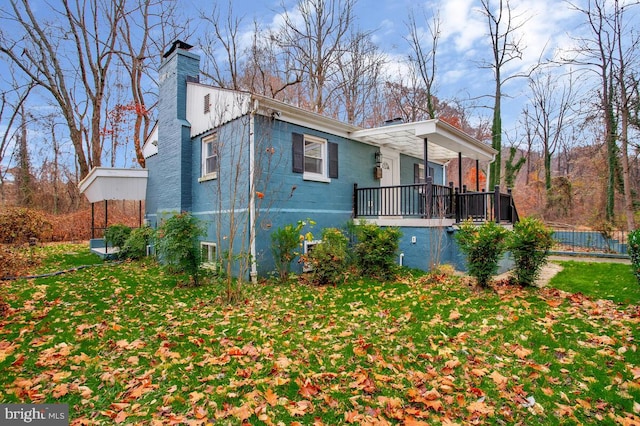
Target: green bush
[[135, 247], [634, 252], [117, 235], [285, 246], [376, 249], [178, 244], [19, 225], [529, 244], [328, 259], [482, 246]]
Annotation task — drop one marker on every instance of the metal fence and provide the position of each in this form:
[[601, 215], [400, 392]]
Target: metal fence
[[613, 242], [427, 200]]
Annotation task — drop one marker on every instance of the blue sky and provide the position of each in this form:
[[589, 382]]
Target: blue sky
[[463, 44]]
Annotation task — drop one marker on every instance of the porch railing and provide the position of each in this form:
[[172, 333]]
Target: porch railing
[[431, 201]]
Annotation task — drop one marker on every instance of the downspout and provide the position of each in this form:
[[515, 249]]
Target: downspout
[[252, 195], [493, 158]]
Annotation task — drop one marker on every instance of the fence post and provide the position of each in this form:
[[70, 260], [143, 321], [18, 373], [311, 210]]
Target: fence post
[[496, 203], [511, 207], [428, 195], [355, 200], [451, 202], [456, 200]]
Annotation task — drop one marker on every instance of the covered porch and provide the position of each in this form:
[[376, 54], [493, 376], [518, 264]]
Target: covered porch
[[103, 184], [427, 202]]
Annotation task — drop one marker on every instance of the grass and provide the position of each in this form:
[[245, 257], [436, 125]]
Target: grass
[[611, 281], [122, 344]]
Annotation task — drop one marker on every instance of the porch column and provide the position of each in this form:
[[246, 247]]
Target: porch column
[[106, 224], [477, 175], [93, 222], [426, 160]]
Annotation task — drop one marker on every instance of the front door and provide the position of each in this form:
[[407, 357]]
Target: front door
[[390, 197]]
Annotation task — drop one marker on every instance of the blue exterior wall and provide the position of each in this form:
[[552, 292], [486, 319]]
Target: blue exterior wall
[[170, 173], [215, 199], [289, 198], [437, 243], [406, 170]]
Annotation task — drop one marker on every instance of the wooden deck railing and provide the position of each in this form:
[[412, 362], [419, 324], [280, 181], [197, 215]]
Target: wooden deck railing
[[431, 201]]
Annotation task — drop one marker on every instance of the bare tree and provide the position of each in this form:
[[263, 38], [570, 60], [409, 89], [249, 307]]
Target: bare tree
[[11, 104], [423, 60], [507, 46], [223, 39], [551, 100], [145, 32], [595, 53], [608, 51], [315, 42], [23, 177], [359, 78], [69, 56], [406, 98], [626, 54], [269, 71], [260, 67]]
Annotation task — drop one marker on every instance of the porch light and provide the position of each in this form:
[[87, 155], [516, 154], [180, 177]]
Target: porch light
[[377, 170]]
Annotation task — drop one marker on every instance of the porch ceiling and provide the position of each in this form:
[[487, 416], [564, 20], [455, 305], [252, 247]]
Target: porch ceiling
[[444, 140]]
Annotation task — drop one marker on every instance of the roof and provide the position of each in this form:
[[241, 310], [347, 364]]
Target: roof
[[445, 140], [104, 183]]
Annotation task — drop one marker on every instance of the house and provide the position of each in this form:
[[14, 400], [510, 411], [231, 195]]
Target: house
[[246, 164]]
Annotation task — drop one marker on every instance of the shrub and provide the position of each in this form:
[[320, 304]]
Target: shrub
[[634, 252], [135, 247], [16, 261], [19, 225], [178, 244], [328, 259], [529, 244], [482, 246], [375, 249], [285, 244], [117, 235]]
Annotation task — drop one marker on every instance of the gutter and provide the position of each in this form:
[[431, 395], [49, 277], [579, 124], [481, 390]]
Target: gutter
[[252, 195]]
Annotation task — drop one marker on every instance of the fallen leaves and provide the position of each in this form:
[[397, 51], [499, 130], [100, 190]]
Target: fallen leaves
[[128, 351]]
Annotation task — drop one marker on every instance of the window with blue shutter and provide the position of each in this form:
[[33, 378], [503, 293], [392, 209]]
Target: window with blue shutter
[[314, 157]]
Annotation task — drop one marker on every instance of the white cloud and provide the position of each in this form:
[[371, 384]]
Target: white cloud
[[462, 23]]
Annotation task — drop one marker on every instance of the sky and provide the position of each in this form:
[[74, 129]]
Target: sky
[[547, 25], [464, 43]]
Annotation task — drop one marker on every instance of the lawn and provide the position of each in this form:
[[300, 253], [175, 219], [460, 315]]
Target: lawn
[[612, 281], [122, 344]]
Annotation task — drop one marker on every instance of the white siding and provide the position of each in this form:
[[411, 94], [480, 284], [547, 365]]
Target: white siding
[[224, 106], [150, 146]]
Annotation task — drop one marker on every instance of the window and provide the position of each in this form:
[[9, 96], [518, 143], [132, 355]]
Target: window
[[315, 158], [210, 157], [308, 247], [208, 255], [314, 155], [418, 173]]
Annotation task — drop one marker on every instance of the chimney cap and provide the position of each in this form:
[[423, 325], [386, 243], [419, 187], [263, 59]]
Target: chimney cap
[[178, 44]]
